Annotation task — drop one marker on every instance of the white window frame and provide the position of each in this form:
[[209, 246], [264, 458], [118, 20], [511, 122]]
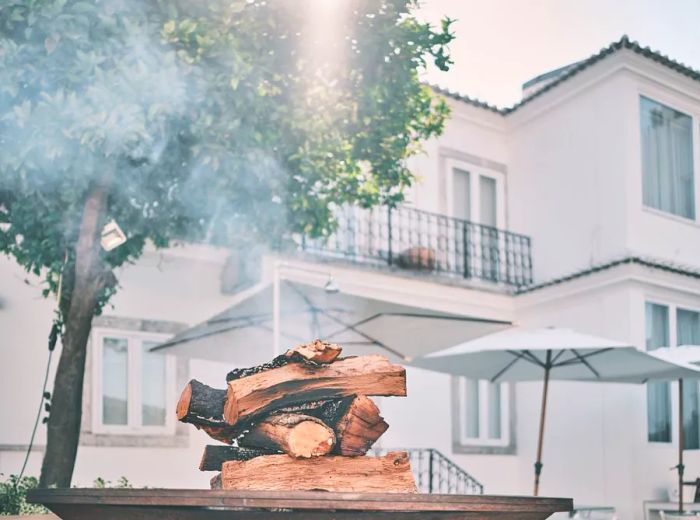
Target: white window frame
[[483, 438], [685, 108], [672, 343], [474, 173], [134, 362]]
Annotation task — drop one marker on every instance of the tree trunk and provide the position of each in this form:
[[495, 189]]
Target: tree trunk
[[88, 279]]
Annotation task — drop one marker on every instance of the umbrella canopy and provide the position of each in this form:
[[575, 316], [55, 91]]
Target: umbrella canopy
[[521, 354], [242, 334]]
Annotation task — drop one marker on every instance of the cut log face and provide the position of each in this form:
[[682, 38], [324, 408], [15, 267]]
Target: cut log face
[[200, 404], [359, 427], [296, 383], [296, 435], [214, 456], [319, 352], [388, 474]]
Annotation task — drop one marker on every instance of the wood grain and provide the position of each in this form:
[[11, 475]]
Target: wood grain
[[189, 504], [297, 435], [296, 383], [390, 474]]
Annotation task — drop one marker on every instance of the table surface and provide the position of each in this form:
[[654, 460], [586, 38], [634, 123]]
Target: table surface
[[161, 504]]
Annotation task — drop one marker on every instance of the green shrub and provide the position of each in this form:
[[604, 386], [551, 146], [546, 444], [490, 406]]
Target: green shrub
[[13, 496]]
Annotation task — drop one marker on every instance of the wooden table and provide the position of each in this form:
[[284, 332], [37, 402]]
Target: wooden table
[[188, 504]]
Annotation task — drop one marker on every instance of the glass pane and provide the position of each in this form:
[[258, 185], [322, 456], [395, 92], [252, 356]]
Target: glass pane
[[687, 327], [667, 159], [487, 201], [461, 195], [494, 410], [659, 411], [153, 386], [691, 425], [656, 321], [471, 400], [115, 379]]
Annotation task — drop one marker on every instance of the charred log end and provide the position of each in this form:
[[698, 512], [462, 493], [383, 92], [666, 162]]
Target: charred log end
[[215, 482], [183, 404], [231, 407]]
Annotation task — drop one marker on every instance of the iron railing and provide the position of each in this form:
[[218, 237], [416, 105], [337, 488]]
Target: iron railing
[[423, 241], [435, 473]]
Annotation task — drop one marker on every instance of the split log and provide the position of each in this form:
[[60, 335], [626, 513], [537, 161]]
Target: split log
[[300, 436], [356, 422], [215, 481], [201, 405], [315, 353], [296, 383], [388, 474], [214, 456]]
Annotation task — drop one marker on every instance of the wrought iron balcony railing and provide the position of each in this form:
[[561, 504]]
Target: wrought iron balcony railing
[[419, 240], [435, 473]]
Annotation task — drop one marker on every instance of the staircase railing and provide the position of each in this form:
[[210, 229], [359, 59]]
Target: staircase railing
[[435, 473]]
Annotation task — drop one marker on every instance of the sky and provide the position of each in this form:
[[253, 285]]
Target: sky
[[500, 44]]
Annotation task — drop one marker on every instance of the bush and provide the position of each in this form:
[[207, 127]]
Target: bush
[[13, 496]]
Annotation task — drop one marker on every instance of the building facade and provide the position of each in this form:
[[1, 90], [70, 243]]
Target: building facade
[[577, 207]]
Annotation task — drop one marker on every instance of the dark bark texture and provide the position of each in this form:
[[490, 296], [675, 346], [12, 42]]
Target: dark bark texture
[[88, 278], [214, 456]]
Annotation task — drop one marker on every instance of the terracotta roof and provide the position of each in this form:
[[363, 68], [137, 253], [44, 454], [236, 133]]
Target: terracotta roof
[[652, 263], [622, 43]]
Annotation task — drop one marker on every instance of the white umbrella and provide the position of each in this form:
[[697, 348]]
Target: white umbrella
[[521, 354], [682, 354], [243, 333]]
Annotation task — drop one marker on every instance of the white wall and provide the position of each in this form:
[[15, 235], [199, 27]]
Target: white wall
[[567, 185], [180, 284]]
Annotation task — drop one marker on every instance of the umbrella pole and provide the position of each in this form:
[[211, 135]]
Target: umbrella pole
[[681, 445], [543, 410]]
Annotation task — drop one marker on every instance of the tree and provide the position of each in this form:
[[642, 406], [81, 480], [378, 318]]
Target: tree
[[208, 120]]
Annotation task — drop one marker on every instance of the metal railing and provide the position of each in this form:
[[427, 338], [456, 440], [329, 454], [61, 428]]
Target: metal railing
[[419, 240], [435, 473]]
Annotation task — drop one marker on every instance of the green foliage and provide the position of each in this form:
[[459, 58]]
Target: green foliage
[[214, 120], [13, 496], [121, 483]]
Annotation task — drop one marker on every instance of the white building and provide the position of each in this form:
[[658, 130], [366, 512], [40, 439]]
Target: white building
[[577, 207]]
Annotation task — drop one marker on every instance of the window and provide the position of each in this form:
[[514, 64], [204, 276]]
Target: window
[[476, 195], [667, 159], [658, 392], [484, 413], [133, 387], [668, 325], [688, 333]]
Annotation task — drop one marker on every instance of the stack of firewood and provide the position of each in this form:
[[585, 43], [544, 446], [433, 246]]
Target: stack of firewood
[[301, 422]]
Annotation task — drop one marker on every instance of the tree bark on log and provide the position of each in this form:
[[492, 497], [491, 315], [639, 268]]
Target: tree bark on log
[[316, 352], [388, 474], [295, 383], [201, 405], [214, 456], [84, 278], [299, 436]]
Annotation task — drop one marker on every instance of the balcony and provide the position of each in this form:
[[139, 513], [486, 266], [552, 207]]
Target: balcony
[[411, 239]]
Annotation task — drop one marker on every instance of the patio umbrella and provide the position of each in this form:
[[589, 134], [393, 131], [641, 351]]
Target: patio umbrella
[[681, 354], [521, 354], [242, 334]]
